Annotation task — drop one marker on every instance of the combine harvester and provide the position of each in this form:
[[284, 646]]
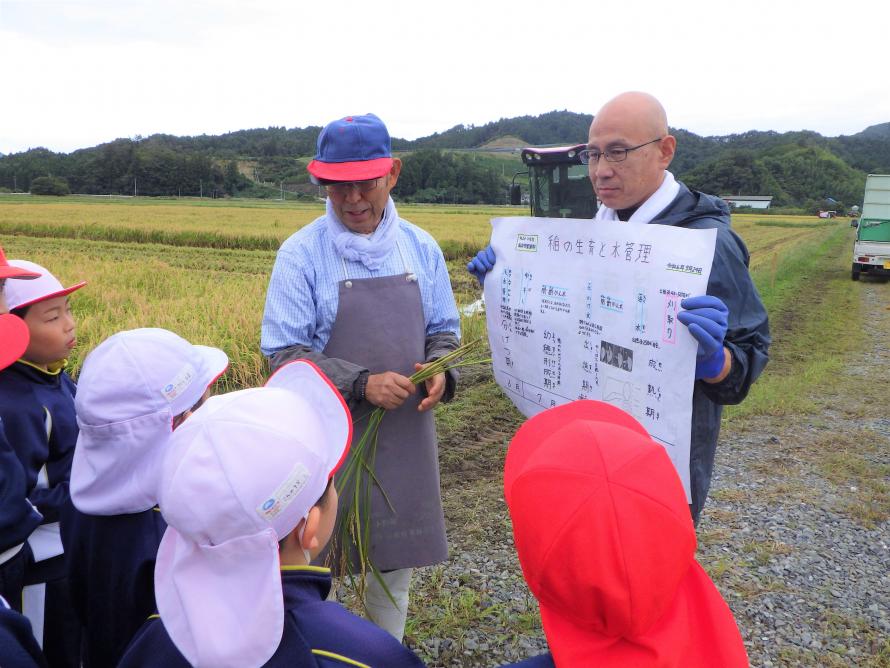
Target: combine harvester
[[558, 183]]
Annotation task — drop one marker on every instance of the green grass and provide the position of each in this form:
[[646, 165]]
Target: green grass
[[803, 295], [764, 551], [795, 224], [853, 462], [449, 612]]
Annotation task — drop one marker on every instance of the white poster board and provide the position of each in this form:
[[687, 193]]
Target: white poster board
[[579, 309]]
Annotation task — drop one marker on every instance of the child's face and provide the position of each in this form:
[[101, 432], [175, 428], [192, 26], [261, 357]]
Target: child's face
[[52, 331], [182, 417]]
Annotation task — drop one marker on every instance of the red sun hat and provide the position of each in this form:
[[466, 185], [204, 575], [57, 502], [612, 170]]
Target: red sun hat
[[355, 148], [46, 286], [9, 271], [607, 546], [14, 339]]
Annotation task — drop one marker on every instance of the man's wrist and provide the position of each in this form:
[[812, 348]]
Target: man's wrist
[[360, 386], [721, 373]]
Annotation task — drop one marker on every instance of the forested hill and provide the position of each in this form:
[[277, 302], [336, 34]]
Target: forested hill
[[799, 169], [555, 127]]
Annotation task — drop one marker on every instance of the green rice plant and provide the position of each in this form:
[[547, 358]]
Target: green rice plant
[[803, 293]]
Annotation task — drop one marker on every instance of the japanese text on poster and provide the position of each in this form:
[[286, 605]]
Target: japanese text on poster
[[579, 309]]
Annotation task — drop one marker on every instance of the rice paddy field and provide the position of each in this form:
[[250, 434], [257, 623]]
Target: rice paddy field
[[201, 267]]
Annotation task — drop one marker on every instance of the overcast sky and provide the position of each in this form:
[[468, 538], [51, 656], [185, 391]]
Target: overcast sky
[[76, 73]]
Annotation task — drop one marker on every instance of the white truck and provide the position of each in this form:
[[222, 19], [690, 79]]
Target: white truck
[[871, 250]]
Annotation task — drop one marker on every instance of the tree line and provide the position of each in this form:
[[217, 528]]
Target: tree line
[[799, 169], [431, 175]]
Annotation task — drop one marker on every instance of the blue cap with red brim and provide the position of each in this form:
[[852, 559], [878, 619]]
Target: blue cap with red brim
[[355, 148]]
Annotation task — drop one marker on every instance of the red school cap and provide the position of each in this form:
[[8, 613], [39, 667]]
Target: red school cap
[[14, 339], [607, 546], [10, 271]]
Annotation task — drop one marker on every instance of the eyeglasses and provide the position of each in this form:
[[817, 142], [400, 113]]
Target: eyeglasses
[[345, 187], [592, 155]]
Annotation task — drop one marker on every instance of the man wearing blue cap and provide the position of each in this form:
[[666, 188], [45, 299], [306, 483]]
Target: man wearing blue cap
[[366, 296]]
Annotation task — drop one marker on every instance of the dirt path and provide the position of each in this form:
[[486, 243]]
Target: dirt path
[[796, 532]]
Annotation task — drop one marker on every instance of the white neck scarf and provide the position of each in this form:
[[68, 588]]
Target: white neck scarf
[[656, 203], [372, 250]]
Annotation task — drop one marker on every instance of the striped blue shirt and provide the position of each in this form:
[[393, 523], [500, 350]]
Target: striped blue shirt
[[301, 303]]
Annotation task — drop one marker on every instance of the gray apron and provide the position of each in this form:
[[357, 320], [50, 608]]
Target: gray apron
[[380, 325]]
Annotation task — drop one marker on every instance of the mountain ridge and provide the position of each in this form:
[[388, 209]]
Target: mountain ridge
[[260, 161]]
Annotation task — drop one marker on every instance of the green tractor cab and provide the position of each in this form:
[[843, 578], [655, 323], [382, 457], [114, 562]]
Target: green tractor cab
[[559, 186]]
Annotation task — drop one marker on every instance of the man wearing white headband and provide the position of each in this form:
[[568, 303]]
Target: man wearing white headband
[[247, 492]]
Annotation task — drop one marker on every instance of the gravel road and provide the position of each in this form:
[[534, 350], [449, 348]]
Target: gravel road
[[795, 534]]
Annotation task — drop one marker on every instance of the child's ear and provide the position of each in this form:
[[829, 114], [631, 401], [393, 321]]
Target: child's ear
[[310, 533]]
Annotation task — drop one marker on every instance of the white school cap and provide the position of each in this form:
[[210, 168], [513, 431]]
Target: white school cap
[[44, 286], [239, 476], [131, 387]]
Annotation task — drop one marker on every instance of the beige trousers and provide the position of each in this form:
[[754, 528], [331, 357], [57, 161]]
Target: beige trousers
[[391, 618], [382, 612]]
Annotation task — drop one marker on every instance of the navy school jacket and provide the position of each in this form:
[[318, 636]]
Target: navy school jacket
[[540, 661], [317, 633], [110, 567], [18, 648], [18, 517], [37, 409]]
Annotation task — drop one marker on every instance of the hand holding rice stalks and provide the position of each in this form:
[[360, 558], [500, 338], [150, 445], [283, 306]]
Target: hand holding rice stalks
[[357, 477]]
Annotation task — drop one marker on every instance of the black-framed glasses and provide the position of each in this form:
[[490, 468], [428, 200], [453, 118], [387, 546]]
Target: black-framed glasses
[[592, 155], [346, 187]]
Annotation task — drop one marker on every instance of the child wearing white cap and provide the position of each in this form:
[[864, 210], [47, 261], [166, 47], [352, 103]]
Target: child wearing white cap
[[135, 388], [18, 518], [247, 492], [37, 409]]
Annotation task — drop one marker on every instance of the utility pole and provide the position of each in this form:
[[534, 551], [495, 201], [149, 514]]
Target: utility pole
[[134, 186], [202, 189]]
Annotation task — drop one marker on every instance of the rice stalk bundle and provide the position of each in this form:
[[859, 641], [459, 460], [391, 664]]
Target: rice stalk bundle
[[357, 479]]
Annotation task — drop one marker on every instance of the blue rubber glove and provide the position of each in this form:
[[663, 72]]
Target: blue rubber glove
[[706, 317], [482, 264]]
